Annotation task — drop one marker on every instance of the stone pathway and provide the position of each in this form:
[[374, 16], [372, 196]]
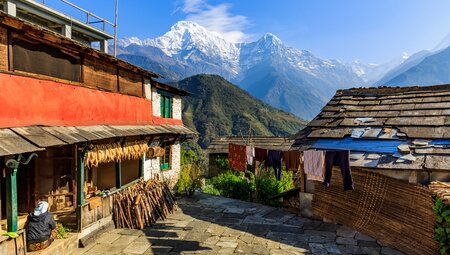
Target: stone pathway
[[215, 225]]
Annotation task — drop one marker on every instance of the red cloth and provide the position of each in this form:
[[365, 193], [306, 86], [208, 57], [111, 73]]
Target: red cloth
[[237, 157], [260, 154]]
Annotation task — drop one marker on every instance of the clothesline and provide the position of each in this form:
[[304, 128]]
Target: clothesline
[[317, 164]]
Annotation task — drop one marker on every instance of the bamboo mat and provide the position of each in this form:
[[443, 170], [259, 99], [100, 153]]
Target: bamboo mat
[[396, 213]]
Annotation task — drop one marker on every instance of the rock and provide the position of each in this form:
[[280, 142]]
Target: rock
[[227, 244], [371, 250], [362, 237], [346, 240], [320, 233], [332, 248], [259, 249], [346, 232], [328, 227], [318, 249], [320, 239], [389, 251], [368, 244]]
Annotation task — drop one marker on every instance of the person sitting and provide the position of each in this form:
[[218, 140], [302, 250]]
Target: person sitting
[[41, 228]]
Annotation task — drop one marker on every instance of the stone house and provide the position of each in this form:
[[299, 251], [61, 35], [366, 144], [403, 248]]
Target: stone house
[[399, 142]]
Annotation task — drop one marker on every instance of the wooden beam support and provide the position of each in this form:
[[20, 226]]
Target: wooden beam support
[[141, 166], [11, 199], [118, 175], [81, 157]]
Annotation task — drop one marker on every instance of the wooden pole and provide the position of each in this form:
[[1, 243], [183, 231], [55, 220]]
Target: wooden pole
[[118, 174], [141, 166]]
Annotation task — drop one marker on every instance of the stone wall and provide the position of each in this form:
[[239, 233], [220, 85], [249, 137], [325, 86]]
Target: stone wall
[[152, 167], [176, 108], [156, 103]]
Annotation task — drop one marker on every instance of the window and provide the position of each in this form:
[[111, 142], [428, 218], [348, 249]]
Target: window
[[42, 59], [165, 160], [166, 106]]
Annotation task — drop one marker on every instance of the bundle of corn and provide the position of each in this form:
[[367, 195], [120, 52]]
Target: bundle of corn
[[441, 190], [106, 153], [397, 213], [134, 150], [142, 204]]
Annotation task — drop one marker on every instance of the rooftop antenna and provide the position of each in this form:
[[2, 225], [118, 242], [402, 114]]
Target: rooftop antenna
[[115, 28]]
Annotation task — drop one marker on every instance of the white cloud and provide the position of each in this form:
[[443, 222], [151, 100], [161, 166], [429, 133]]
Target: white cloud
[[217, 18]]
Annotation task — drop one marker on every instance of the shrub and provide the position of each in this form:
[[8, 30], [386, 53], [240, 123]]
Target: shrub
[[442, 229], [232, 185], [190, 178], [267, 186], [210, 189]]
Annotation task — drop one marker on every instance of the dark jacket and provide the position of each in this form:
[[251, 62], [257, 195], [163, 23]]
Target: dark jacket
[[40, 227]]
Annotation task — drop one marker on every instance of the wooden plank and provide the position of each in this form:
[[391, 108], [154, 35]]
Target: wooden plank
[[434, 112], [4, 63], [130, 83], [440, 105], [432, 151], [38, 136], [330, 133], [100, 74], [417, 121], [67, 134], [11, 143], [427, 132], [439, 162]]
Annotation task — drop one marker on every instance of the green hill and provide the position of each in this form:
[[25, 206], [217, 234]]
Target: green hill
[[218, 108]]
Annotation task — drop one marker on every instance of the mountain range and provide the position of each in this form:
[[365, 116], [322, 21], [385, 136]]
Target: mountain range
[[287, 78], [293, 80], [218, 108]]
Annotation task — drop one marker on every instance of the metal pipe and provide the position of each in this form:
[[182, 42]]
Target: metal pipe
[[115, 28], [87, 12]]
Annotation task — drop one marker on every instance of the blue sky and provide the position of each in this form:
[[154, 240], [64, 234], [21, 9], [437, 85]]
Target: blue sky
[[373, 31]]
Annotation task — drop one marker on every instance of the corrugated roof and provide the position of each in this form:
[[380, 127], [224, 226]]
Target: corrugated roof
[[36, 138], [220, 144], [415, 117]]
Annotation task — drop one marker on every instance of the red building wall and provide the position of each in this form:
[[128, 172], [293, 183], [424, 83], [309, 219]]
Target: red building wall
[[27, 101]]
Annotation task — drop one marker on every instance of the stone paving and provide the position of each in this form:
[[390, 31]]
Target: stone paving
[[208, 224]]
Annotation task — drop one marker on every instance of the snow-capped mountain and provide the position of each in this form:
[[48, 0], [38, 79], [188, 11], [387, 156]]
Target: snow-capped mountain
[[285, 77]]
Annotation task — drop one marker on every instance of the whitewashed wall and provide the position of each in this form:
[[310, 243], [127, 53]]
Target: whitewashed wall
[[156, 103], [152, 167], [176, 107]]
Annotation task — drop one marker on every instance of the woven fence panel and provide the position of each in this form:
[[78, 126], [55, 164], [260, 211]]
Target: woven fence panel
[[396, 213]]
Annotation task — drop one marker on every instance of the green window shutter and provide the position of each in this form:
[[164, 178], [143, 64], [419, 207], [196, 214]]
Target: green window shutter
[[167, 107], [170, 107], [162, 106]]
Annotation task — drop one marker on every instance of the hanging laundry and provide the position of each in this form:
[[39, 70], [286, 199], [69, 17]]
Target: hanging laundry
[[274, 159], [237, 157], [260, 154], [250, 153], [341, 159], [292, 159], [314, 164]]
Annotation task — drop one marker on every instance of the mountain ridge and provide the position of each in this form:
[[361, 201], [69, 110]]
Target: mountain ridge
[[223, 109], [295, 80]]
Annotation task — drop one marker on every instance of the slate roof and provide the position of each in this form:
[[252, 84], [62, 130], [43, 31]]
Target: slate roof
[[377, 124], [220, 144]]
